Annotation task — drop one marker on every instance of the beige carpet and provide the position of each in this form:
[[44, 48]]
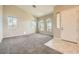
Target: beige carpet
[[27, 44]]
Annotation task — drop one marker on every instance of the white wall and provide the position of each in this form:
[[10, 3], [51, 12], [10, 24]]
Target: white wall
[[57, 32], [24, 20]]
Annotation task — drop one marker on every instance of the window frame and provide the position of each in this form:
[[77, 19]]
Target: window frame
[[11, 22]]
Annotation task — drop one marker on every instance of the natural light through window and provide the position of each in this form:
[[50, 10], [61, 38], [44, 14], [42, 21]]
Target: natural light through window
[[49, 25], [58, 20], [12, 21], [41, 25], [33, 24]]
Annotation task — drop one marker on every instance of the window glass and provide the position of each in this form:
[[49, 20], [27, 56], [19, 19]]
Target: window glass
[[49, 25], [58, 20], [12, 21], [33, 24], [41, 25]]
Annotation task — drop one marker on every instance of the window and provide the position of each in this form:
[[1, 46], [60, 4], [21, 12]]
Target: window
[[58, 20], [49, 25], [12, 21], [41, 25], [33, 24]]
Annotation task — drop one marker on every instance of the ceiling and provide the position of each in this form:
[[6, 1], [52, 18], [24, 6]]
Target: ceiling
[[40, 10]]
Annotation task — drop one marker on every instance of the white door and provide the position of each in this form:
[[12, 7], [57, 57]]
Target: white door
[[69, 25]]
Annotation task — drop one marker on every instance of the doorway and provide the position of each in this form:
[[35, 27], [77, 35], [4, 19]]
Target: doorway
[[69, 25]]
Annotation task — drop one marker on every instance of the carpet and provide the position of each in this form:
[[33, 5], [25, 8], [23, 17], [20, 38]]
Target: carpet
[[27, 44]]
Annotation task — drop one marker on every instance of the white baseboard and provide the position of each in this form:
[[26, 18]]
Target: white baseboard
[[17, 35]]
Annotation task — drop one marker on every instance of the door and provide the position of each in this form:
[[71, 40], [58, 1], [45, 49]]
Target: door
[[69, 25]]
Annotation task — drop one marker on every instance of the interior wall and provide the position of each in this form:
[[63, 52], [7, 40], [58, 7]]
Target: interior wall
[[1, 22], [24, 20], [60, 8]]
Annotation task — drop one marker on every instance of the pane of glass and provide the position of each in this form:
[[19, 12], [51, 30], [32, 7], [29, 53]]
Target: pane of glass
[[49, 25], [41, 25], [14, 21], [10, 21], [33, 24], [58, 20]]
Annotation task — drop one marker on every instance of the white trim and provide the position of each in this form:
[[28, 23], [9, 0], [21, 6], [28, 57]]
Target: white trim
[[17, 35]]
